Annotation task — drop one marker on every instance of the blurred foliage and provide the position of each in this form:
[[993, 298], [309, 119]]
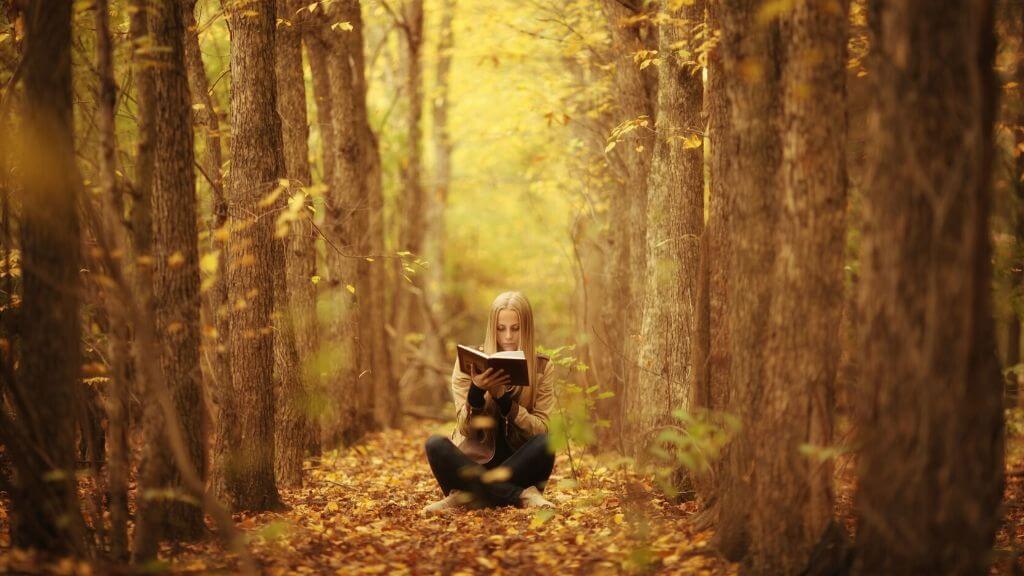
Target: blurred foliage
[[1015, 421], [688, 447], [574, 423]]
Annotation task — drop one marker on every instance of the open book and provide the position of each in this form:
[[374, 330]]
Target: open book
[[512, 362]]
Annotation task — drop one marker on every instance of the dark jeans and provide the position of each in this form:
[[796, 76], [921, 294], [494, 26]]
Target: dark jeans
[[530, 465]]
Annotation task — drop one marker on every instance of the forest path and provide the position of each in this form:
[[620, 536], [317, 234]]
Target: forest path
[[360, 514]]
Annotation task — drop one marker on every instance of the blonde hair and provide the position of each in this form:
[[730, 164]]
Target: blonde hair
[[517, 302]]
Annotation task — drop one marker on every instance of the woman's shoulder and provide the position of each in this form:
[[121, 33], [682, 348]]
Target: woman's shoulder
[[542, 362]]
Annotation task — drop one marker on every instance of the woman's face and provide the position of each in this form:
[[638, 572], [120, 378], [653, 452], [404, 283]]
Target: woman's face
[[508, 330]]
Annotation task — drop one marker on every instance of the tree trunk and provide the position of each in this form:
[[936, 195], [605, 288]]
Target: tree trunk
[[141, 192], [408, 311], [175, 295], [793, 483], [675, 218], [317, 49], [382, 398], [343, 218], [632, 160], [931, 397], [711, 356], [369, 379], [1017, 263], [215, 297], [119, 349], [43, 497], [256, 166], [300, 253], [751, 61], [433, 348]]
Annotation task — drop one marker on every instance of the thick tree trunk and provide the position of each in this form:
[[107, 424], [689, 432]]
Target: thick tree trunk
[[675, 218], [299, 249], [175, 294], [256, 167], [632, 160], [215, 297], [931, 400], [751, 61], [44, 505], [793, 482]]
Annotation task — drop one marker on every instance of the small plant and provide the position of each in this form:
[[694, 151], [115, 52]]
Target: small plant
[[689, 447], [574, 423]]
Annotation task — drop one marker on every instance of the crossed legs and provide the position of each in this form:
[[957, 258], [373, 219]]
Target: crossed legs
[[530, 465]]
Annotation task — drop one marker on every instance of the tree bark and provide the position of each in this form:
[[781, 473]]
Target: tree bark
[[408, 310], [632, 159], [317, 49], [141, 192], [1013, 358], [256, 167], [175, 295], [711, 356], [119, 349], [751, 69], [299, 251], [433, 347], [343, 227], [675, 218], [215, 297], [931, 396], [43, 497], [380, 393], [793, 482]]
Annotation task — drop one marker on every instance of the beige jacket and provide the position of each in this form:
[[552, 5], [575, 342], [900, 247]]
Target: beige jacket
[[527, 418]]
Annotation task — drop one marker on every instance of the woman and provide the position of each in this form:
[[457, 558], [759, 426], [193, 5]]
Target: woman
[[499, 456]]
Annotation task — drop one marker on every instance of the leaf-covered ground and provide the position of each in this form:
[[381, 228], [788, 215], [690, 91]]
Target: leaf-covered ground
[[360, 514]]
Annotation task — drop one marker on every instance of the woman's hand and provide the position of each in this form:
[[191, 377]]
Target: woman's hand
[[491, 380]]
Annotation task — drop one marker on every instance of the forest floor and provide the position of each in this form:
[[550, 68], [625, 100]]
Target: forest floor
[[360, 514]]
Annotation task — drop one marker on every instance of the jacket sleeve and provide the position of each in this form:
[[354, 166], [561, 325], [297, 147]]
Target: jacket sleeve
[[460, 393], [536, 421]]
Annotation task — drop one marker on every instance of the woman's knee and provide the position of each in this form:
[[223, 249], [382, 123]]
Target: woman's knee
[[436, 444], [541, 441]]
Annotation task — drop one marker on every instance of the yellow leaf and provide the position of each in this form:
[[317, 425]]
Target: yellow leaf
[[499, 474], [314, 279], [269, 199], [209, 262], [609, 147], [692, 141], [345, 26], [350, 288]]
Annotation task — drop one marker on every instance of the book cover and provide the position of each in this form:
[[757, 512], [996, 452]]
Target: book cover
[[512, 362]]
